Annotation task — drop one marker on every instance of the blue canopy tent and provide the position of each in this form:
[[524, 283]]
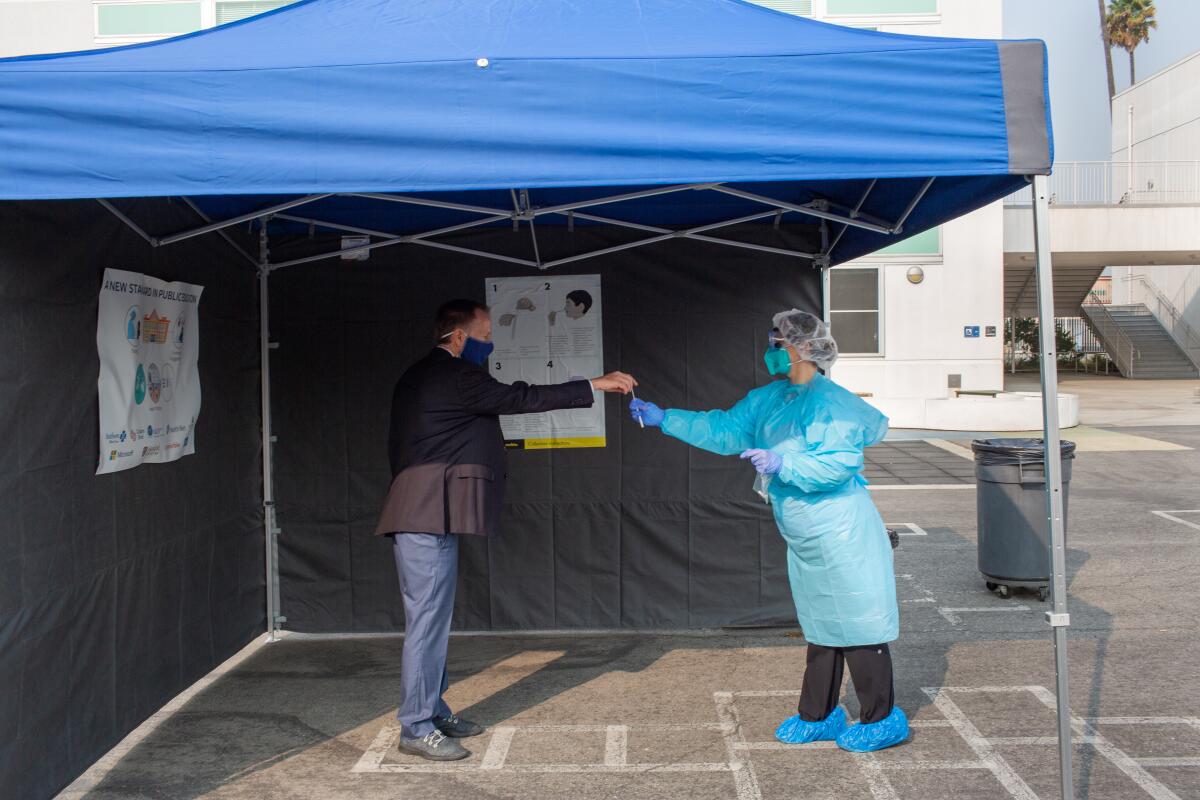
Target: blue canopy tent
[[707, 120]]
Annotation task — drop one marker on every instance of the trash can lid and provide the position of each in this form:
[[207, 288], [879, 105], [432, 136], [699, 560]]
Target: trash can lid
[[1025, 450]]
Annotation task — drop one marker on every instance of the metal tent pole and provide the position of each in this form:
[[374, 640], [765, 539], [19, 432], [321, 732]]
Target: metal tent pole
[[825, 305], [270, 530], [1058, 618]]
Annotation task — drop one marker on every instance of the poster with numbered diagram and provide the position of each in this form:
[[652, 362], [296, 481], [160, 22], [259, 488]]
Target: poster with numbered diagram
[[548, 330], [148, 338]]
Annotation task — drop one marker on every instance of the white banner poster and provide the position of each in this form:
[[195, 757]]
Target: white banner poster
[[548, 330], [147, 334]]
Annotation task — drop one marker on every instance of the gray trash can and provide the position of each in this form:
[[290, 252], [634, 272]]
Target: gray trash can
[[1010, 500]]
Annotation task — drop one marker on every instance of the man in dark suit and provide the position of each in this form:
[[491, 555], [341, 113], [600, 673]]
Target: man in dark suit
[[448, 468]]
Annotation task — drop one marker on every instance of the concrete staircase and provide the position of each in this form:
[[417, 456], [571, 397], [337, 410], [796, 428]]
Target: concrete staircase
[[1140, 346]]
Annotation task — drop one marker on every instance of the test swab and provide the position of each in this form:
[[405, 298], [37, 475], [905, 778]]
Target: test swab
[[640, 423]]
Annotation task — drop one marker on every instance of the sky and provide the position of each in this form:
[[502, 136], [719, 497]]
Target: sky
[[1078, 87]]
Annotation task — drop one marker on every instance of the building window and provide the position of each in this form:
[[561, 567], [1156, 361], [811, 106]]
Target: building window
[[119, 21], [926, 243], [878, 8], [801, 8], [854, 310], [233, 10], [146, 20]]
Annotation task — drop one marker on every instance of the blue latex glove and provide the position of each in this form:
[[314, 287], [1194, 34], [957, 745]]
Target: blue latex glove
[[765, 461], [646, 412]]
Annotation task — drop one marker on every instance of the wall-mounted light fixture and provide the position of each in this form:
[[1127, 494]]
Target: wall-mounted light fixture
[[915, 275]]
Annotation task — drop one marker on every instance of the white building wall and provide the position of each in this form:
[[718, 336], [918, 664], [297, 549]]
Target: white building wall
[[1166, 115], [45, 26], [922, 326], [1166, 127]]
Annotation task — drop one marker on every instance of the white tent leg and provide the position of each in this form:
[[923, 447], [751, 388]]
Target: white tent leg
[[1058, 618], [270, 530], [825, 307]]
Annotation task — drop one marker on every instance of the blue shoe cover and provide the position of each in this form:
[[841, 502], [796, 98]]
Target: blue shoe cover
[[794, 730], [866, 737]]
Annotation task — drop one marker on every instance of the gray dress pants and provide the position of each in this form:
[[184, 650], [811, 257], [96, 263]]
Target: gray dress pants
[[428, 567]]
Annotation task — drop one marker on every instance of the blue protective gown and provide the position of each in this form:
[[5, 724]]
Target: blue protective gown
[[839, 557]]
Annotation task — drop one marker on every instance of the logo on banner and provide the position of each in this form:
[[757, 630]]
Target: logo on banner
[[139, 385], [154, 383], [133, 327], [168, 382], [154, 328]]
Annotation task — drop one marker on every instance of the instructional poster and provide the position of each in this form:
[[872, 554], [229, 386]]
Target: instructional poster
[[548, 330], [147, 334]]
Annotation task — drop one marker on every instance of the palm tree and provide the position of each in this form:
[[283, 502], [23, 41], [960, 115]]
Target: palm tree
[[1129, 24], [1112, 84]]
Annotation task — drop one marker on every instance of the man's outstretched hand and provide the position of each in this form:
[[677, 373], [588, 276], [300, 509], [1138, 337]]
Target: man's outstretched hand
[[615, 382]]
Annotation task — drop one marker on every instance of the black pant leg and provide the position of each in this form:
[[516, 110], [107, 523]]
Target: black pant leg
[[822, 682], [871, 670]]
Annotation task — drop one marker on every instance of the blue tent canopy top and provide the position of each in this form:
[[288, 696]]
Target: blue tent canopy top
[[706, 111]]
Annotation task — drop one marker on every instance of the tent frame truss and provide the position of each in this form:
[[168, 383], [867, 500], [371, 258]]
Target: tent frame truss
[[523, 211]]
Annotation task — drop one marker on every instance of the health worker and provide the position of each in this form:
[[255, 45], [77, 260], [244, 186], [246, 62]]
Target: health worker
[[805, 437]]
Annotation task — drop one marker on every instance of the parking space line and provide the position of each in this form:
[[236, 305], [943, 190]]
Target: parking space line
[[568, 769], [1171, 516], [783, 746], [1001, 769], [951, 614], [913, 528], [616, 746], [878, 784], [950, 447], [1122, 760], [373, 756], [1143, 720], [926, 596], [923, 764], [1168, 762], [497, 751], [1042, 741], [911, 487], [745, 780]]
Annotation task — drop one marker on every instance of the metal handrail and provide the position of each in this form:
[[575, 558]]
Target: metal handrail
[[1189, 341], [1112, 332], [1121, 182]]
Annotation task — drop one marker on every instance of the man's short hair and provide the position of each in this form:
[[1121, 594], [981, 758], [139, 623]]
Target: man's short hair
[[455, 314], [581, 297]]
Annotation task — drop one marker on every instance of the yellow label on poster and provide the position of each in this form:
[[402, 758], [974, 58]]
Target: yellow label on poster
[[565, 441]]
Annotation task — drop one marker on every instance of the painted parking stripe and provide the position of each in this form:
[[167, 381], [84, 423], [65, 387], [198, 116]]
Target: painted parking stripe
[[1122, 760], [952, 614], [913, 528], [745, 780], [616, 746], [950, 447], [497, 751], [1171, 516], [1000, 768], [912, 487]]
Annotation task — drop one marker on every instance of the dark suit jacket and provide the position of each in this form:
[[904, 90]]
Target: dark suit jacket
[[446, 448]]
